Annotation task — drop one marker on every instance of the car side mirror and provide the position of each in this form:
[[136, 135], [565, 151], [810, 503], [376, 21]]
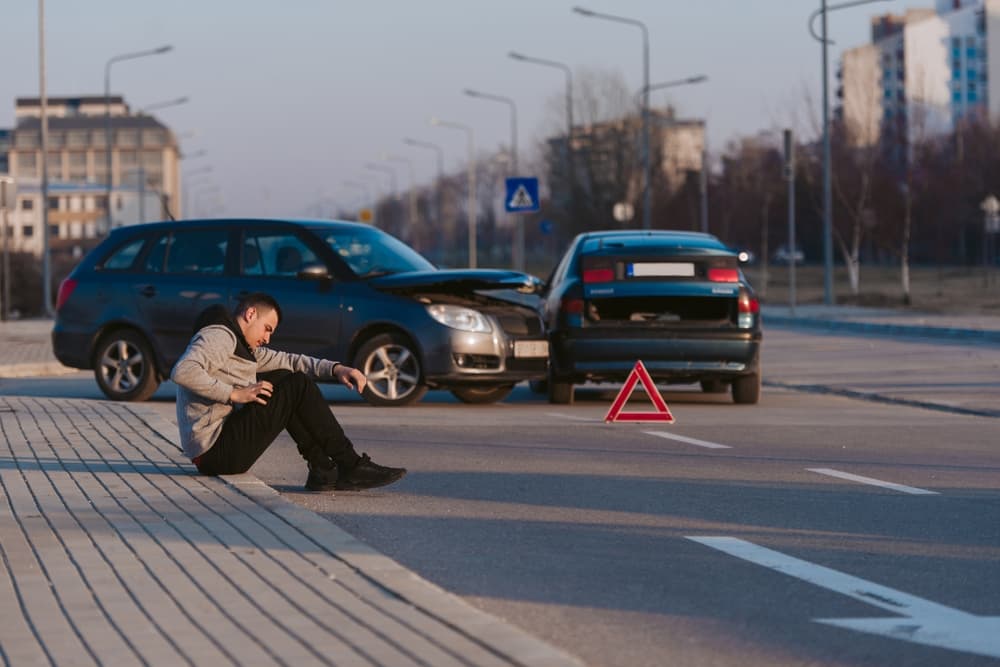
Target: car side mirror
[[313, 272]]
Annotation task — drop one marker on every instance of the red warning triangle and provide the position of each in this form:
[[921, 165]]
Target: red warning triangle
[[662, 413]]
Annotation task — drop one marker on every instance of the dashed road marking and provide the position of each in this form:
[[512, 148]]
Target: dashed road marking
[[690, 441], [874, 482]]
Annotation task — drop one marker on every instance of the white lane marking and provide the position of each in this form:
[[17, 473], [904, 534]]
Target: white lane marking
[[874, 482], [690, 441], [579, 419], [925, 622]]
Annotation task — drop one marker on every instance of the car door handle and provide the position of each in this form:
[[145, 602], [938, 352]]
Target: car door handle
[[148, 291]]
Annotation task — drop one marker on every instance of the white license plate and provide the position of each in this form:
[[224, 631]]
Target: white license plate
[[531, 348], [640, 269]]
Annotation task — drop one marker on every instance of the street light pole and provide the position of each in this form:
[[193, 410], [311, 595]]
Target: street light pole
[[107, 115], [43, 108], [471, 149], [518, 248], [440, 171], [162, 105], [570, 171], [392, 178], [412, 235], [647, 194], [827, 178]]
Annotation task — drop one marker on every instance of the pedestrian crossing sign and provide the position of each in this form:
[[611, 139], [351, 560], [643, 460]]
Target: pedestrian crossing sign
[[522, 195]]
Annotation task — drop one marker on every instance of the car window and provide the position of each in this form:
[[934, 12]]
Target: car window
[[199, 251], [275, 254], [370, 253], [123, 257]]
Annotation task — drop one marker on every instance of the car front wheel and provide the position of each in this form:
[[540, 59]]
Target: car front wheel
[[482, 394], [392, 367], [123, 366]]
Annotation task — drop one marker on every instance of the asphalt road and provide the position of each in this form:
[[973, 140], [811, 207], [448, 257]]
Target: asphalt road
[[754, 540]]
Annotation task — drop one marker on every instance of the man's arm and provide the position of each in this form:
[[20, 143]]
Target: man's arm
[[325, 369], [210, 348]]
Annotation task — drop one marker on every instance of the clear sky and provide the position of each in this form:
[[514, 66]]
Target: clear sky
[[290, 99]]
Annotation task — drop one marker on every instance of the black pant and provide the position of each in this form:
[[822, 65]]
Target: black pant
[[297, 405]]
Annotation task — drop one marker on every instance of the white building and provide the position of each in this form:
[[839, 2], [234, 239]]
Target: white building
[[145, 171], [923, 73]]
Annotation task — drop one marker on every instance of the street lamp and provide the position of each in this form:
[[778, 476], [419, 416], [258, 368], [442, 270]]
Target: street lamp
[[570, 173], [646, 191], [518, 250], [438, 185], [411, 196], [162, 105], [470, 143], [107, 113], [827, 183], [385, 170], [186, 177], [699, 78]]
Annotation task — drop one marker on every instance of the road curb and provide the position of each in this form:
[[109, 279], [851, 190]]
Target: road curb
[[34, 369], [879, 398], [492, 633], [911, 331]]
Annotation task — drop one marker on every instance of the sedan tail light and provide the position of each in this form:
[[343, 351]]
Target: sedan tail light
[[748, 307], [66, 288], [724, 275], [571, 306], [598, 275]]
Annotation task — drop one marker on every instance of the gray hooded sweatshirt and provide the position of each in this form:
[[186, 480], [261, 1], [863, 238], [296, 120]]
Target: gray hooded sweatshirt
[[216, 361]]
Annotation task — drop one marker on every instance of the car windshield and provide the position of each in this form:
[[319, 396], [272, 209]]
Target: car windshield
[[371, 253]]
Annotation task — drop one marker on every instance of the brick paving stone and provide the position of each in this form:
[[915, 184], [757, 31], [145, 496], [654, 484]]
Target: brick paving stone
[[114, 551]]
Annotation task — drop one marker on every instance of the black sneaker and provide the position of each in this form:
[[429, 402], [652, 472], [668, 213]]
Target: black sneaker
[[368, 475], [321, 478]]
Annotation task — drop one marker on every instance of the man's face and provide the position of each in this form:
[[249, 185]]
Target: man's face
[[258, 325]]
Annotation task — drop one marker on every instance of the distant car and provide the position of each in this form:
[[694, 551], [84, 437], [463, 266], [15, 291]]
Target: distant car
[[782, 256], [348, 292], [677, 301]]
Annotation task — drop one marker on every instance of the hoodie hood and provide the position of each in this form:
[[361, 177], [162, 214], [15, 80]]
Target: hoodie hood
[[220, 315]]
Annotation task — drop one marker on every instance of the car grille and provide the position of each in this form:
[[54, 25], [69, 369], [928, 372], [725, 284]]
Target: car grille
[[518, 324]]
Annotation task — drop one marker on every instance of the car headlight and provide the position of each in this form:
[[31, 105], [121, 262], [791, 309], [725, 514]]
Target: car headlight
[[457, 317]]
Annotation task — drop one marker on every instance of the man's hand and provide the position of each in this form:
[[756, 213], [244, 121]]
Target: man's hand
[[258, 392], [351, 378]]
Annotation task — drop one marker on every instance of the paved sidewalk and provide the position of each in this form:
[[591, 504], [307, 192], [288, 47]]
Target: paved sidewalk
[[26, 349], [113, 552]]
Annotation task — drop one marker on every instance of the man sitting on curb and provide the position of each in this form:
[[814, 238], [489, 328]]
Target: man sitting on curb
[[235, 396]]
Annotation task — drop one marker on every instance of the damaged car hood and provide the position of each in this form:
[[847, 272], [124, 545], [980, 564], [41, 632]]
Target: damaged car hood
[[457, 281]]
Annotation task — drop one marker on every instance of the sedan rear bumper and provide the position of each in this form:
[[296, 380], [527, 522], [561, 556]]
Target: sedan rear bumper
[[667, 358], [72, 348]]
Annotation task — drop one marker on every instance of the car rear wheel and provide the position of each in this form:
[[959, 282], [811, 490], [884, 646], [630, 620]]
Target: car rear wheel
[[482, 394], [123, 366], [746, 389], [392, 367], [713, 386]]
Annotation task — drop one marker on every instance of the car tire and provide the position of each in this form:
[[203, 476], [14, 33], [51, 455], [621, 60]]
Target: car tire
[[746, 389], [560, 393], [124, 366], [391, 364], [713, 386], [479, 395]]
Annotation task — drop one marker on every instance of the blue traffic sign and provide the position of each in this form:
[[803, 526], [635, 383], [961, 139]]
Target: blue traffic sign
[[522, 195]]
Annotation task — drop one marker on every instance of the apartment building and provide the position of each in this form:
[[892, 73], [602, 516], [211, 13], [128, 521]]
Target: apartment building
[[145, 171], [923, 73], [606, 156]]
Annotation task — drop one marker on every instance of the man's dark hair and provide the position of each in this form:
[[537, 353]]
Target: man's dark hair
[[258, 300]]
